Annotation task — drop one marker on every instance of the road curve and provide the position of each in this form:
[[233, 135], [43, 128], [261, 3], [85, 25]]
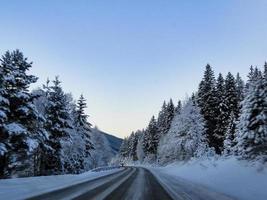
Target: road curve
[[132, 183], [141, 185]]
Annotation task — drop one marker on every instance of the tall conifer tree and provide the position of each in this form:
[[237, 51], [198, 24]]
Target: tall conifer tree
[[222, 117], [22, 119], [150, 141], [252, 126], [207, 101], [57, 125]]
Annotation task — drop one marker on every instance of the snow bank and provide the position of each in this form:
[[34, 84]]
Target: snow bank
[[21, 188], [238, 179]]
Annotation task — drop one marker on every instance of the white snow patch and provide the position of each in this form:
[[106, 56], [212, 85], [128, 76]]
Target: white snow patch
[[3, 149], [21, 188], [230, 176], [32, 144], [15, 128], [2, 114]]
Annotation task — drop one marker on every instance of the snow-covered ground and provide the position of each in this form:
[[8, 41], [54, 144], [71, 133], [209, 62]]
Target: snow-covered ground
[[213, 178], [238, 179], [21, 188]]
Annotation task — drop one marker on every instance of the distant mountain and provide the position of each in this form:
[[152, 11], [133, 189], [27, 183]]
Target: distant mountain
[[114, 142], [106, 146]]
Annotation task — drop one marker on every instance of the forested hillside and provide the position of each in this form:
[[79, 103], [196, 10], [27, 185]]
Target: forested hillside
[[114, 142], [44, 132], [224, 117]]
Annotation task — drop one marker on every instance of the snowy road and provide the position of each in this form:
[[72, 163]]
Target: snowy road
[[130, 183]]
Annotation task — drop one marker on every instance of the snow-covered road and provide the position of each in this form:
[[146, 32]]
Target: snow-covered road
[[133, 183]]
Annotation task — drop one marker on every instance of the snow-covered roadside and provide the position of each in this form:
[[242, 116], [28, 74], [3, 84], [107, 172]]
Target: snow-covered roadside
[[228, 176], [21, 188]]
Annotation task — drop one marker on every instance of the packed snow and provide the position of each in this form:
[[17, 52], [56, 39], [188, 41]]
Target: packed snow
[[21, 188]]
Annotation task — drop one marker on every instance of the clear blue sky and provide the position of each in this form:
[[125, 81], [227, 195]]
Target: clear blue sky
[[126, 57]]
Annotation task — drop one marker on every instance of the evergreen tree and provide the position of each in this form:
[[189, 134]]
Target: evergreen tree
[[165, 118], [240, 86], [170, 115], [57, 124], [186, 138], [257, 74], [22, 121], [178, 107], [252, 126], [133, 141], [251, 79], [222, 117], [208, 101], [162, 120], [83, 126], [193, 98], [81, 144], [250, 74], [265, 71], [229, 141], [4, 103], [232, 102], [4, 109], [139, 148], [231, 95], [124, 148], [150, 140]]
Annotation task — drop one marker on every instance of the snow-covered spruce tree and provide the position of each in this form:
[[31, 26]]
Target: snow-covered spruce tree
[[139, 148], [4, 109], [229, 141], [257, 74], [240, 86], [222, 117], [207, 101], [73, 148], [233, 105], [150, 140], [186, 137], [41, 101], [83, 128], [231, 95], [265, 70], [124, 148], [165, 118], [170, 115], [194, 98], [57, 125], [162, 119], [133, 141], [251, 78], [178, 108], [252, 126], [24, 125], [131, 147]]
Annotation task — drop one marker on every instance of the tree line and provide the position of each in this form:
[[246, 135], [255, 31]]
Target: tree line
[[42, 132], [225, 117]]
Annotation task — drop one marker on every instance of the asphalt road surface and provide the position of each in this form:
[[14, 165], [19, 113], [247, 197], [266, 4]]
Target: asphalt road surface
[[132, 183]]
